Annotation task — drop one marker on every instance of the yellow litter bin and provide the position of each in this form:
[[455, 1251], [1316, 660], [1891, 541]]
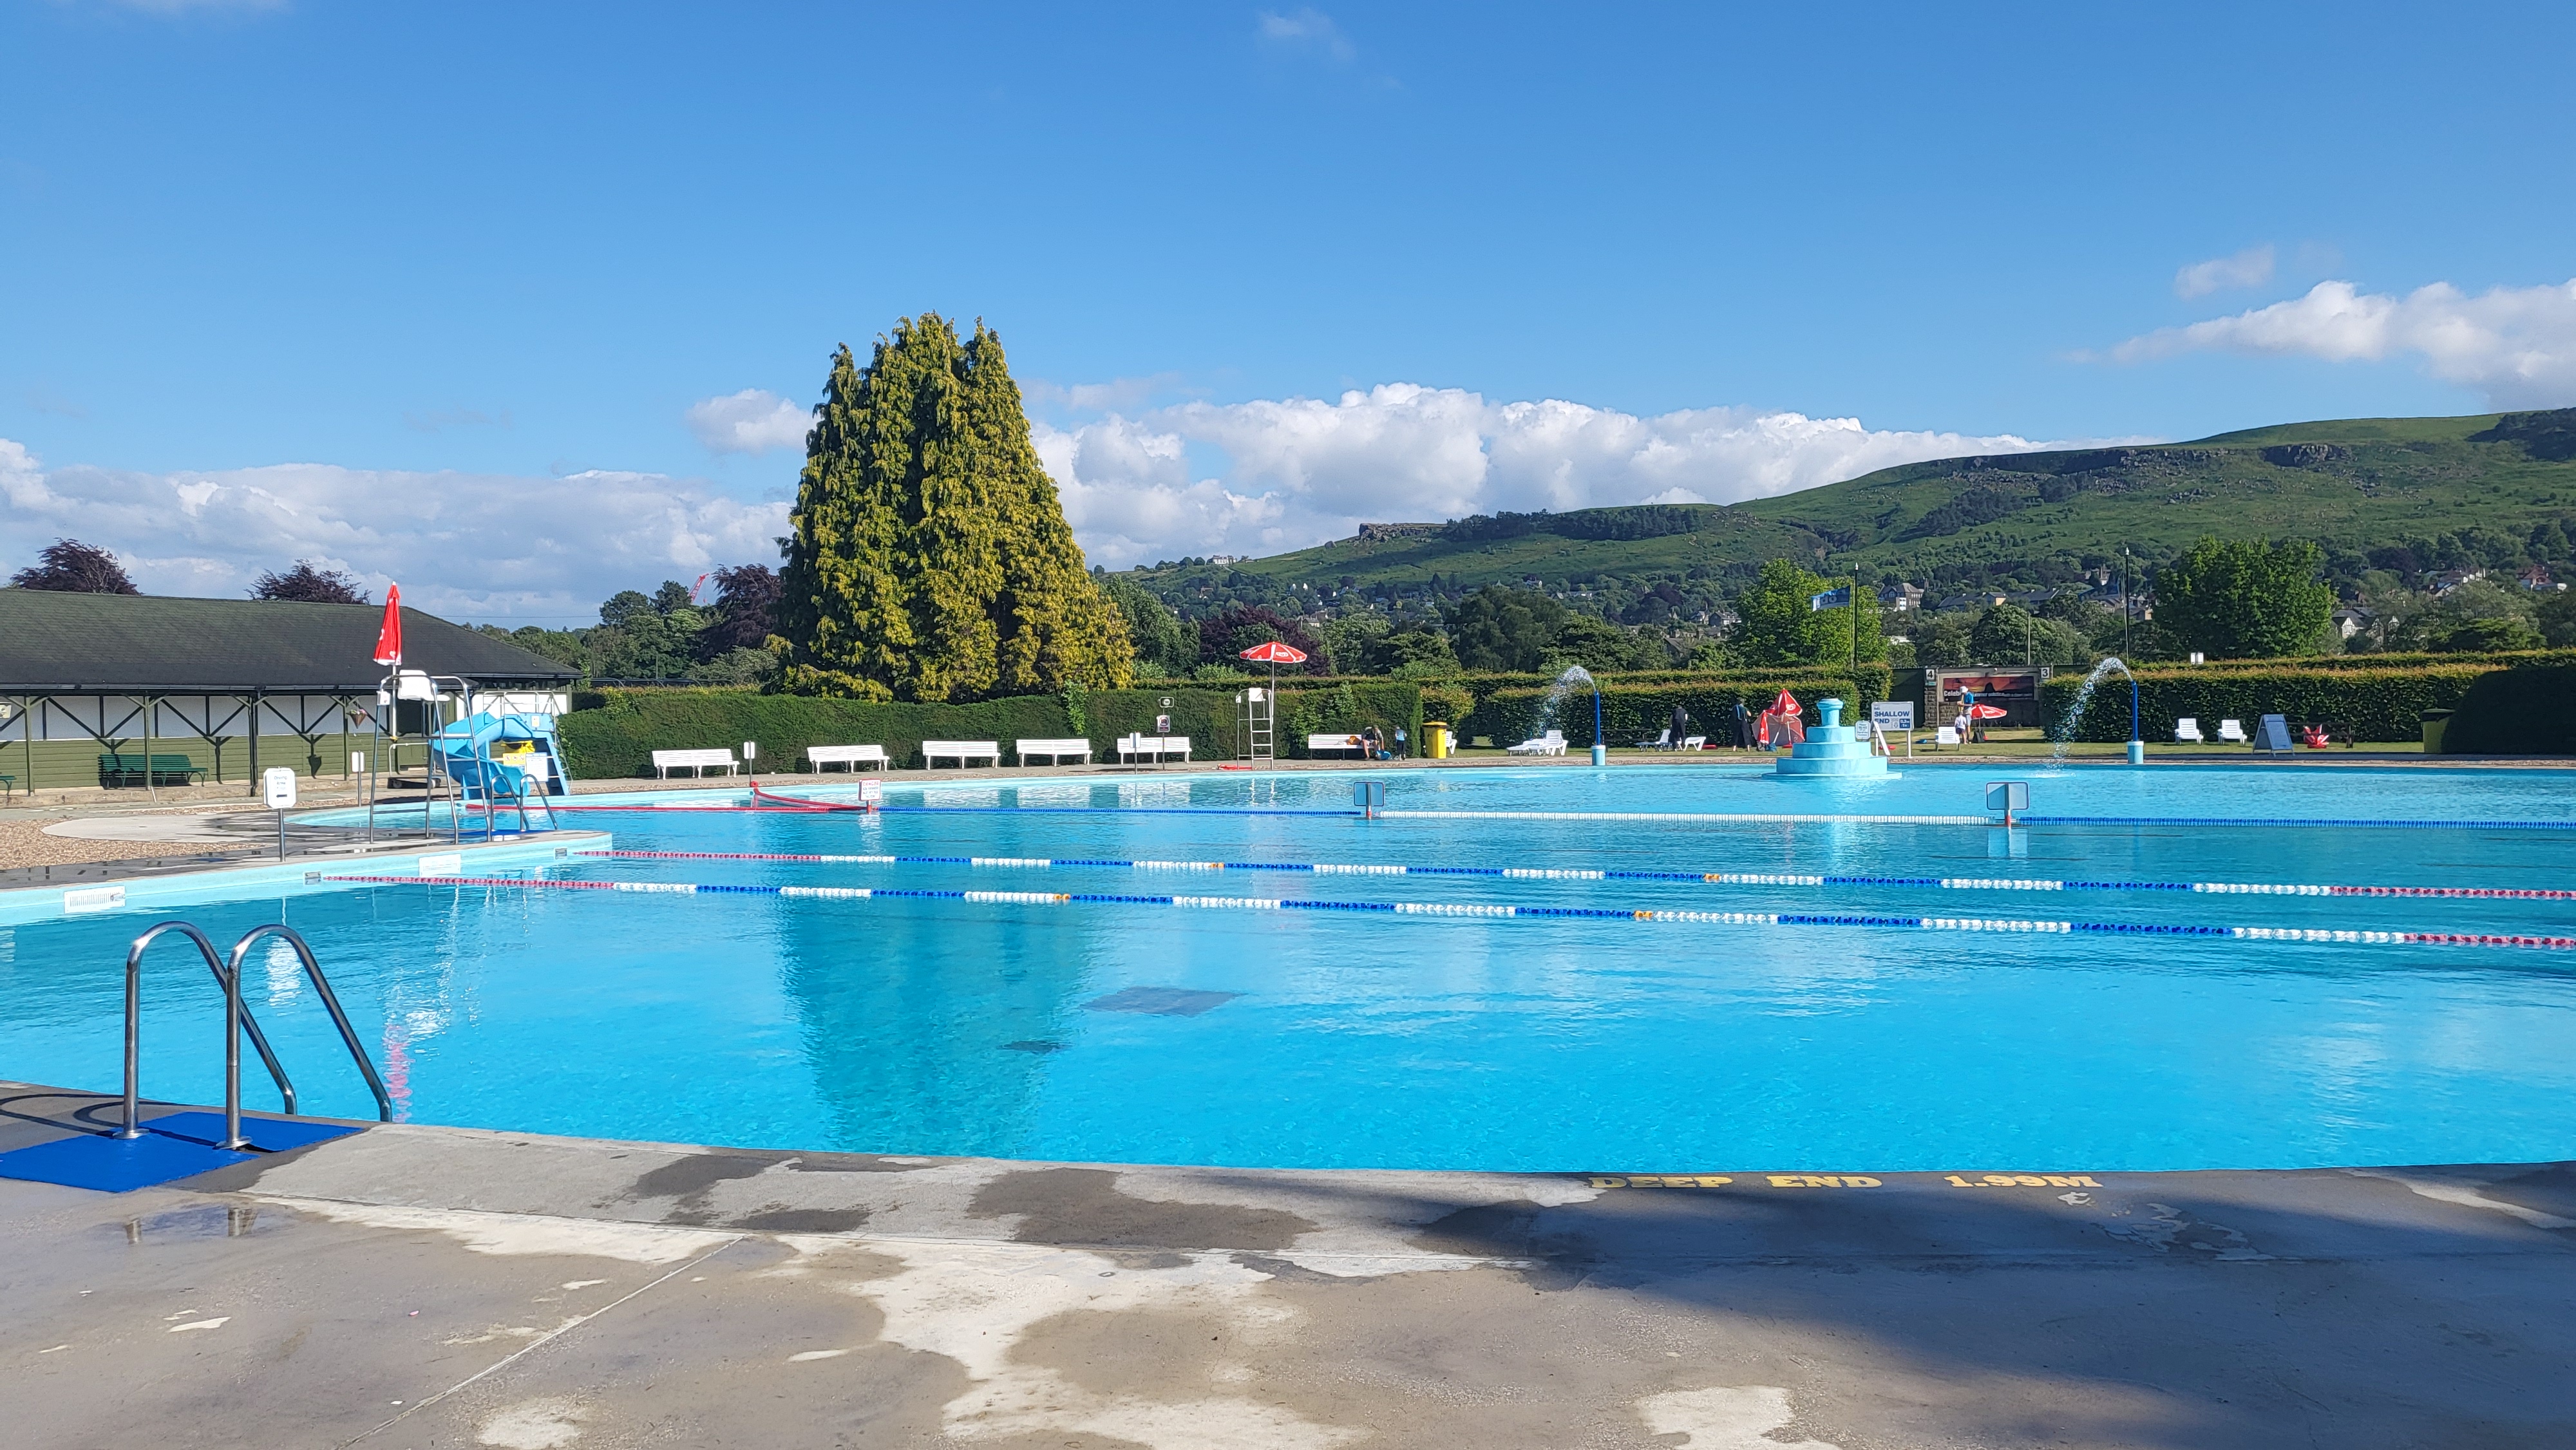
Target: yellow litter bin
[[1435, 739]]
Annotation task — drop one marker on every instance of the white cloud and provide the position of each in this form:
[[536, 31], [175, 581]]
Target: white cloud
[[1299, 471], [1305, 29], [2515, 344], [751, 421], [466, 545], [2249, 268]]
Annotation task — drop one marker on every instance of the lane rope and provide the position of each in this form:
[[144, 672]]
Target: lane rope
[[1534, 873], [1770, 818], [1421, 908]]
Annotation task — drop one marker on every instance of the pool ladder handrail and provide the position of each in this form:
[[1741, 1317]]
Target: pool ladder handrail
[[237, 1020]]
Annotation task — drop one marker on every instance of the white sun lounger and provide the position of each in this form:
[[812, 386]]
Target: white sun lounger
[[1694, 742], [2232, 731], [2187, 732], [1552, 743]]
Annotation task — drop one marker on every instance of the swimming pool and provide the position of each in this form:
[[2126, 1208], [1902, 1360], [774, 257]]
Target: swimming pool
[[1023, 1025]]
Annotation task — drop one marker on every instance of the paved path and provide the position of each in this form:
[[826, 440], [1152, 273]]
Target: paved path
[[420, 1287]]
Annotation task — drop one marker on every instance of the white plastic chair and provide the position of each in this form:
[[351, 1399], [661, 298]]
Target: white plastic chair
[[2187, 732], [2232, 731], [1945, 736]]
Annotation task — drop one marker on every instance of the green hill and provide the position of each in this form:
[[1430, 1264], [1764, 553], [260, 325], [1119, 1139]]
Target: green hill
[[2406, 494]]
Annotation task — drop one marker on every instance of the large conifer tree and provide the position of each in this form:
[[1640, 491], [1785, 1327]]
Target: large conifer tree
[[929, 558]]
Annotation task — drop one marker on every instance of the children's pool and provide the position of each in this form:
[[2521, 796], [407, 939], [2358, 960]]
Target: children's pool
[[1741, 1024]]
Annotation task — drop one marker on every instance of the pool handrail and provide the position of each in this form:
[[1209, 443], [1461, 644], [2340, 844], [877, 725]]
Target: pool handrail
[[133, 1127], [234, 1012]]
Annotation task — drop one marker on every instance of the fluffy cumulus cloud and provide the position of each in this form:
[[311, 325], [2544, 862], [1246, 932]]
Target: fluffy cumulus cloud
[[2249, 268], [470, 546], [751, 421], [1302, 470], [2517, 345]]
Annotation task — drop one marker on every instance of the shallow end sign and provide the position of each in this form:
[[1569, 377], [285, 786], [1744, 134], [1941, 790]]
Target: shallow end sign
[[1892, 715], [277, 787]]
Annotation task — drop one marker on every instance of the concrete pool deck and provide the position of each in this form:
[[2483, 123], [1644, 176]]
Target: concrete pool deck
[[417, 1286]]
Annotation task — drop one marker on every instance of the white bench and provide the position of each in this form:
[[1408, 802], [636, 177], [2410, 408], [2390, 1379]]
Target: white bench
[[1322, 744], [1055, 750], [852, 756], [699, 761], [1160, 747], [961, 751]]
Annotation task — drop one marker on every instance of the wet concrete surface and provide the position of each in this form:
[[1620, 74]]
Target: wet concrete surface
[[417, 1286]]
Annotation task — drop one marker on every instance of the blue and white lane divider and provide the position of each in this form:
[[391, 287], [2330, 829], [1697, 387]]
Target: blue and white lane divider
[[1773, 818], [1549, 873], [1476, 909]]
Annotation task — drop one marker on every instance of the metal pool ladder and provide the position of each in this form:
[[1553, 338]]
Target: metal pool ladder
[[237, 1021]]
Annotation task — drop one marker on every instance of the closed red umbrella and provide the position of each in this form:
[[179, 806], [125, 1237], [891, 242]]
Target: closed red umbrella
[[1780, 724]]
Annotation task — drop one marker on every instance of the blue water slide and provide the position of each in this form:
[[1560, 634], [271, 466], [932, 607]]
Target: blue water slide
[[473, 753]]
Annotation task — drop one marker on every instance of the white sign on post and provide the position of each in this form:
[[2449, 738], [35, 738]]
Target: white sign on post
[[1892, 715], [277, 788]]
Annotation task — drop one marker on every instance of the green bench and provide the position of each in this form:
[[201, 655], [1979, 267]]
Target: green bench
[[114, 770]]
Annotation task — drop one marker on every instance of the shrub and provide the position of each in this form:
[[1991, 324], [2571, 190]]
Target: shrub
[[2354, 703], [2526, 710]]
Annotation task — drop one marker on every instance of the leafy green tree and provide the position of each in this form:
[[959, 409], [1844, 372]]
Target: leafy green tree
[[2246, 600], [2487, 636], [1504, 629], [1600, 646], [928, 557], [1163, 643], [1941, 640], [1420, 653], [673, 595], [2556, 618], [1780, 625]]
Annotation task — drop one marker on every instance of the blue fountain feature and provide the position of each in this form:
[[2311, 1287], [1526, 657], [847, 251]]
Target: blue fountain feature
[[1831, 749]]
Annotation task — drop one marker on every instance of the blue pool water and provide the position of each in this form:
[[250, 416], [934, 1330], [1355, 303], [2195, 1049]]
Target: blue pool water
[[941, 1026]]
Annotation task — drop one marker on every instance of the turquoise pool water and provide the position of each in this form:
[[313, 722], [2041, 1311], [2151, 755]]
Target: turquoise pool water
[[1313, 1038]]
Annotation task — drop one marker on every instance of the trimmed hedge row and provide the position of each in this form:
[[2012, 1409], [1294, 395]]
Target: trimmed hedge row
[[2354, 704], [2527, 710], [1632, 712], [612, 733], [2367, 662]]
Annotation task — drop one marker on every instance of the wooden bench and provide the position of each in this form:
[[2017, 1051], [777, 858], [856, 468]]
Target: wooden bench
[[1323, 744], [698, 761], [120, 769], [1055, 750], [961, 751], [1160, 747], [852, 756]]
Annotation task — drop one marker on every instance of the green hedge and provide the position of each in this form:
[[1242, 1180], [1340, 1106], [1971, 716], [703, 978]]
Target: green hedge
[[1631, 711], [2355, 704], [613, 732], [2369, 662], [2527, 710]]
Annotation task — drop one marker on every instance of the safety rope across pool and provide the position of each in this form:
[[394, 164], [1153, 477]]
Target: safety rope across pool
[[1479, 909], [1777, 818], [1544, 873]]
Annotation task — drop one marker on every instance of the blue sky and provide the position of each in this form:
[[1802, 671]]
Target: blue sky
[[1264, 270]]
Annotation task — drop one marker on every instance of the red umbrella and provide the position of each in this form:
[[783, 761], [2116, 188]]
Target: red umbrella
[[1275, 653]]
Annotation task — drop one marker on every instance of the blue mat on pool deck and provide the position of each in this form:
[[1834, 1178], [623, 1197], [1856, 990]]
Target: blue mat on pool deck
[[175, 1146]]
